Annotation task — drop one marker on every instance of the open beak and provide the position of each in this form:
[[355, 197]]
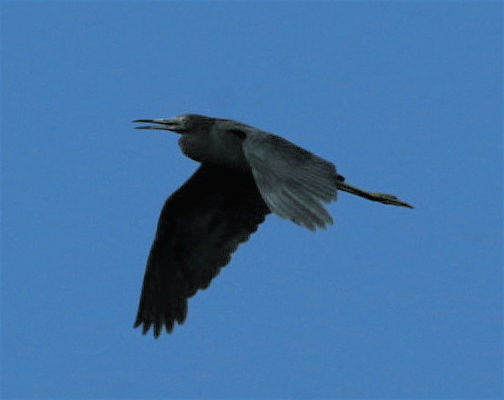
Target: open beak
[[169, 124]]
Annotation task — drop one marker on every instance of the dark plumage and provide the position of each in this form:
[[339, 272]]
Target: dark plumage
[[245, 174]]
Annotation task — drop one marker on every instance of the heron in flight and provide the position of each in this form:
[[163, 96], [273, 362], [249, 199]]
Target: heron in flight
[[245, 174]]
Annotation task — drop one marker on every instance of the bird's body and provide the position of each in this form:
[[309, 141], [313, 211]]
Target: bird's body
[[245, 174]]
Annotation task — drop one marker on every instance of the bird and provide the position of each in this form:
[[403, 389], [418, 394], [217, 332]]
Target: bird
[[245, 174]]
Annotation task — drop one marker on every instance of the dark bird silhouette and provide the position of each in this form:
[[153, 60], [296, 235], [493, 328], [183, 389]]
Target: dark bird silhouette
[[245, 174]]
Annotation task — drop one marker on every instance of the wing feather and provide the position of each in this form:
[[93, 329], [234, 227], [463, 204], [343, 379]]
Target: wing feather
[[293, 182], [200, 226]]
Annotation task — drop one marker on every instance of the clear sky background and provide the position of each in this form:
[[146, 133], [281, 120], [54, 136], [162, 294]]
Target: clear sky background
[[405, 98]]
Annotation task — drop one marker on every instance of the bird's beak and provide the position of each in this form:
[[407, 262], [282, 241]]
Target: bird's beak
[[170, 124]]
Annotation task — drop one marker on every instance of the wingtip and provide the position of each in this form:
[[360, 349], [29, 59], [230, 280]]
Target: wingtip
[[157, 327]]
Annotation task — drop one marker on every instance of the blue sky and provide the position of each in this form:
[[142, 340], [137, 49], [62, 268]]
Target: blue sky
[[405, 98]]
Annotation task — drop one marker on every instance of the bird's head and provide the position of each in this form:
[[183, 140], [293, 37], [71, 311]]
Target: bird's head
[[183, 124], [206, 139]]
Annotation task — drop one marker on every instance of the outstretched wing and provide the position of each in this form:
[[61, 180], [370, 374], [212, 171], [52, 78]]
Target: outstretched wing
[[200, 226], [293, 182]]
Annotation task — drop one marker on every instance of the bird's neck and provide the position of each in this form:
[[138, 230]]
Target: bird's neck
[[225, 151]]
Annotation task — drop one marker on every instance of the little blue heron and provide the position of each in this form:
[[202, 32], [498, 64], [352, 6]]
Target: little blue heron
[[245, 174]]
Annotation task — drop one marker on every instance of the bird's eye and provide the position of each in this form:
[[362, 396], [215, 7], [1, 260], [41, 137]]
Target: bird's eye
[[236, 132]]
